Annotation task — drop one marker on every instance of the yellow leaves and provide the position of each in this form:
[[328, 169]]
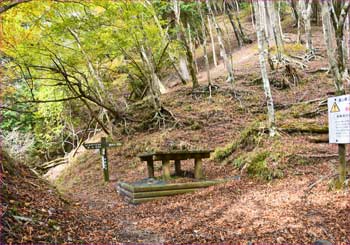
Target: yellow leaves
[[7, 91], [98, 10]]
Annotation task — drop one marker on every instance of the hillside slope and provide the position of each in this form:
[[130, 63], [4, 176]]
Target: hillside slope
[[296, 206]]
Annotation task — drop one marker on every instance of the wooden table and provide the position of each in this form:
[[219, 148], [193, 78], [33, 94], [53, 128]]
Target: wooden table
[[177, 156]]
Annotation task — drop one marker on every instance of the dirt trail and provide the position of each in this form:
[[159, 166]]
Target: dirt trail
[[241, 57]]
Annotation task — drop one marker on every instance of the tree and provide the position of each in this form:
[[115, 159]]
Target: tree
[[223, 53], [306, 12], [182, 37], [82, 59], [258, 9]]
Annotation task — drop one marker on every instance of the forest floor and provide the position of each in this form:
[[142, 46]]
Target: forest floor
[[296, 207]]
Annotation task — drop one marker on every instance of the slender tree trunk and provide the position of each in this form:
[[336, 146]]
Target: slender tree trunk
[[204, 44], [276, 31], [234, 27], [165, 38], [306, 12], [153, 81], [262, 61], [182, 37], [299, 31], [191, 64], [191, 46], [212, 42], [295, 12], [252, 13], [223, 53], [242, 34]]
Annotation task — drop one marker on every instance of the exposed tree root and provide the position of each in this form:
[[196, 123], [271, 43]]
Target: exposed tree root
[[284, 60], [163, 117], [309, 56], [209, 89]]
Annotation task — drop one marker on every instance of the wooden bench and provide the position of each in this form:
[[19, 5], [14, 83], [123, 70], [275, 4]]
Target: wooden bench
[[176, 156]]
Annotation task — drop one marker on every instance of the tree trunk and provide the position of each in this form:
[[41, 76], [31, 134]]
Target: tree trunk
[[212, 42], [306, 12], [204, 44], [223, 53], [295, 12], [182, 37], [166, 38], [153, 81], [276, 31], [241, 31], [262, 61], [234, 27], [191, 46]]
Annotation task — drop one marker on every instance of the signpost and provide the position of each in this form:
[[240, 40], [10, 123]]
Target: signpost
[[339, 128], [102, 145]]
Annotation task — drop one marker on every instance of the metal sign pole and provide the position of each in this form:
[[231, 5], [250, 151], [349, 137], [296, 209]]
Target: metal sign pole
[[103, 152]]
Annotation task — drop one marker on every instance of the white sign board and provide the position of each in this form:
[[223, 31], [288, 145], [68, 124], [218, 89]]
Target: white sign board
[[339, 119]]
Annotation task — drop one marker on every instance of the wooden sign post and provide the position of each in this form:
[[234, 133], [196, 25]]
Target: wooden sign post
[[103, 145]]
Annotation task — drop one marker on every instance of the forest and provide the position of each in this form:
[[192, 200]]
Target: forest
[[175, 121]]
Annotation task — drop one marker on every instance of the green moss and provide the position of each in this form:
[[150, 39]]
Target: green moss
[[258, 165]]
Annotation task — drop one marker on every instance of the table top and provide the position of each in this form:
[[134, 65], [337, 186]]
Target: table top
[[175, 155]]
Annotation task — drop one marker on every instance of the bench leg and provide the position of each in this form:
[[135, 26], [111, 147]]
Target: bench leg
[[166, 169], [178, 171], [198, 170], [150, 168]]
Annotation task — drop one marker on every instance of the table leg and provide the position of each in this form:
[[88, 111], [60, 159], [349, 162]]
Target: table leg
[[150, 168], [178, 171], [198, 170], [166, 169]]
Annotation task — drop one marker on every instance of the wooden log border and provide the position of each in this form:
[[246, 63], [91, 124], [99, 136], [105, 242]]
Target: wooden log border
[[140, 194]]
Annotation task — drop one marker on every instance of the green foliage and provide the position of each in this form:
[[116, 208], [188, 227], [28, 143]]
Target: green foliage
[[94, 45]]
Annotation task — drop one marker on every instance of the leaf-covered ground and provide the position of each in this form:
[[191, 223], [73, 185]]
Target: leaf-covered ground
[[297, 207]]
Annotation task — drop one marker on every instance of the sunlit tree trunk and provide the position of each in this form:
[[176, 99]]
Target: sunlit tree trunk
[[204, 44], [165, 38], [182, 37], [212, 42], [223, 53], [153, 80], [258, 8], [234, 27], [275, 28], [193, 50], [306, 12]]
